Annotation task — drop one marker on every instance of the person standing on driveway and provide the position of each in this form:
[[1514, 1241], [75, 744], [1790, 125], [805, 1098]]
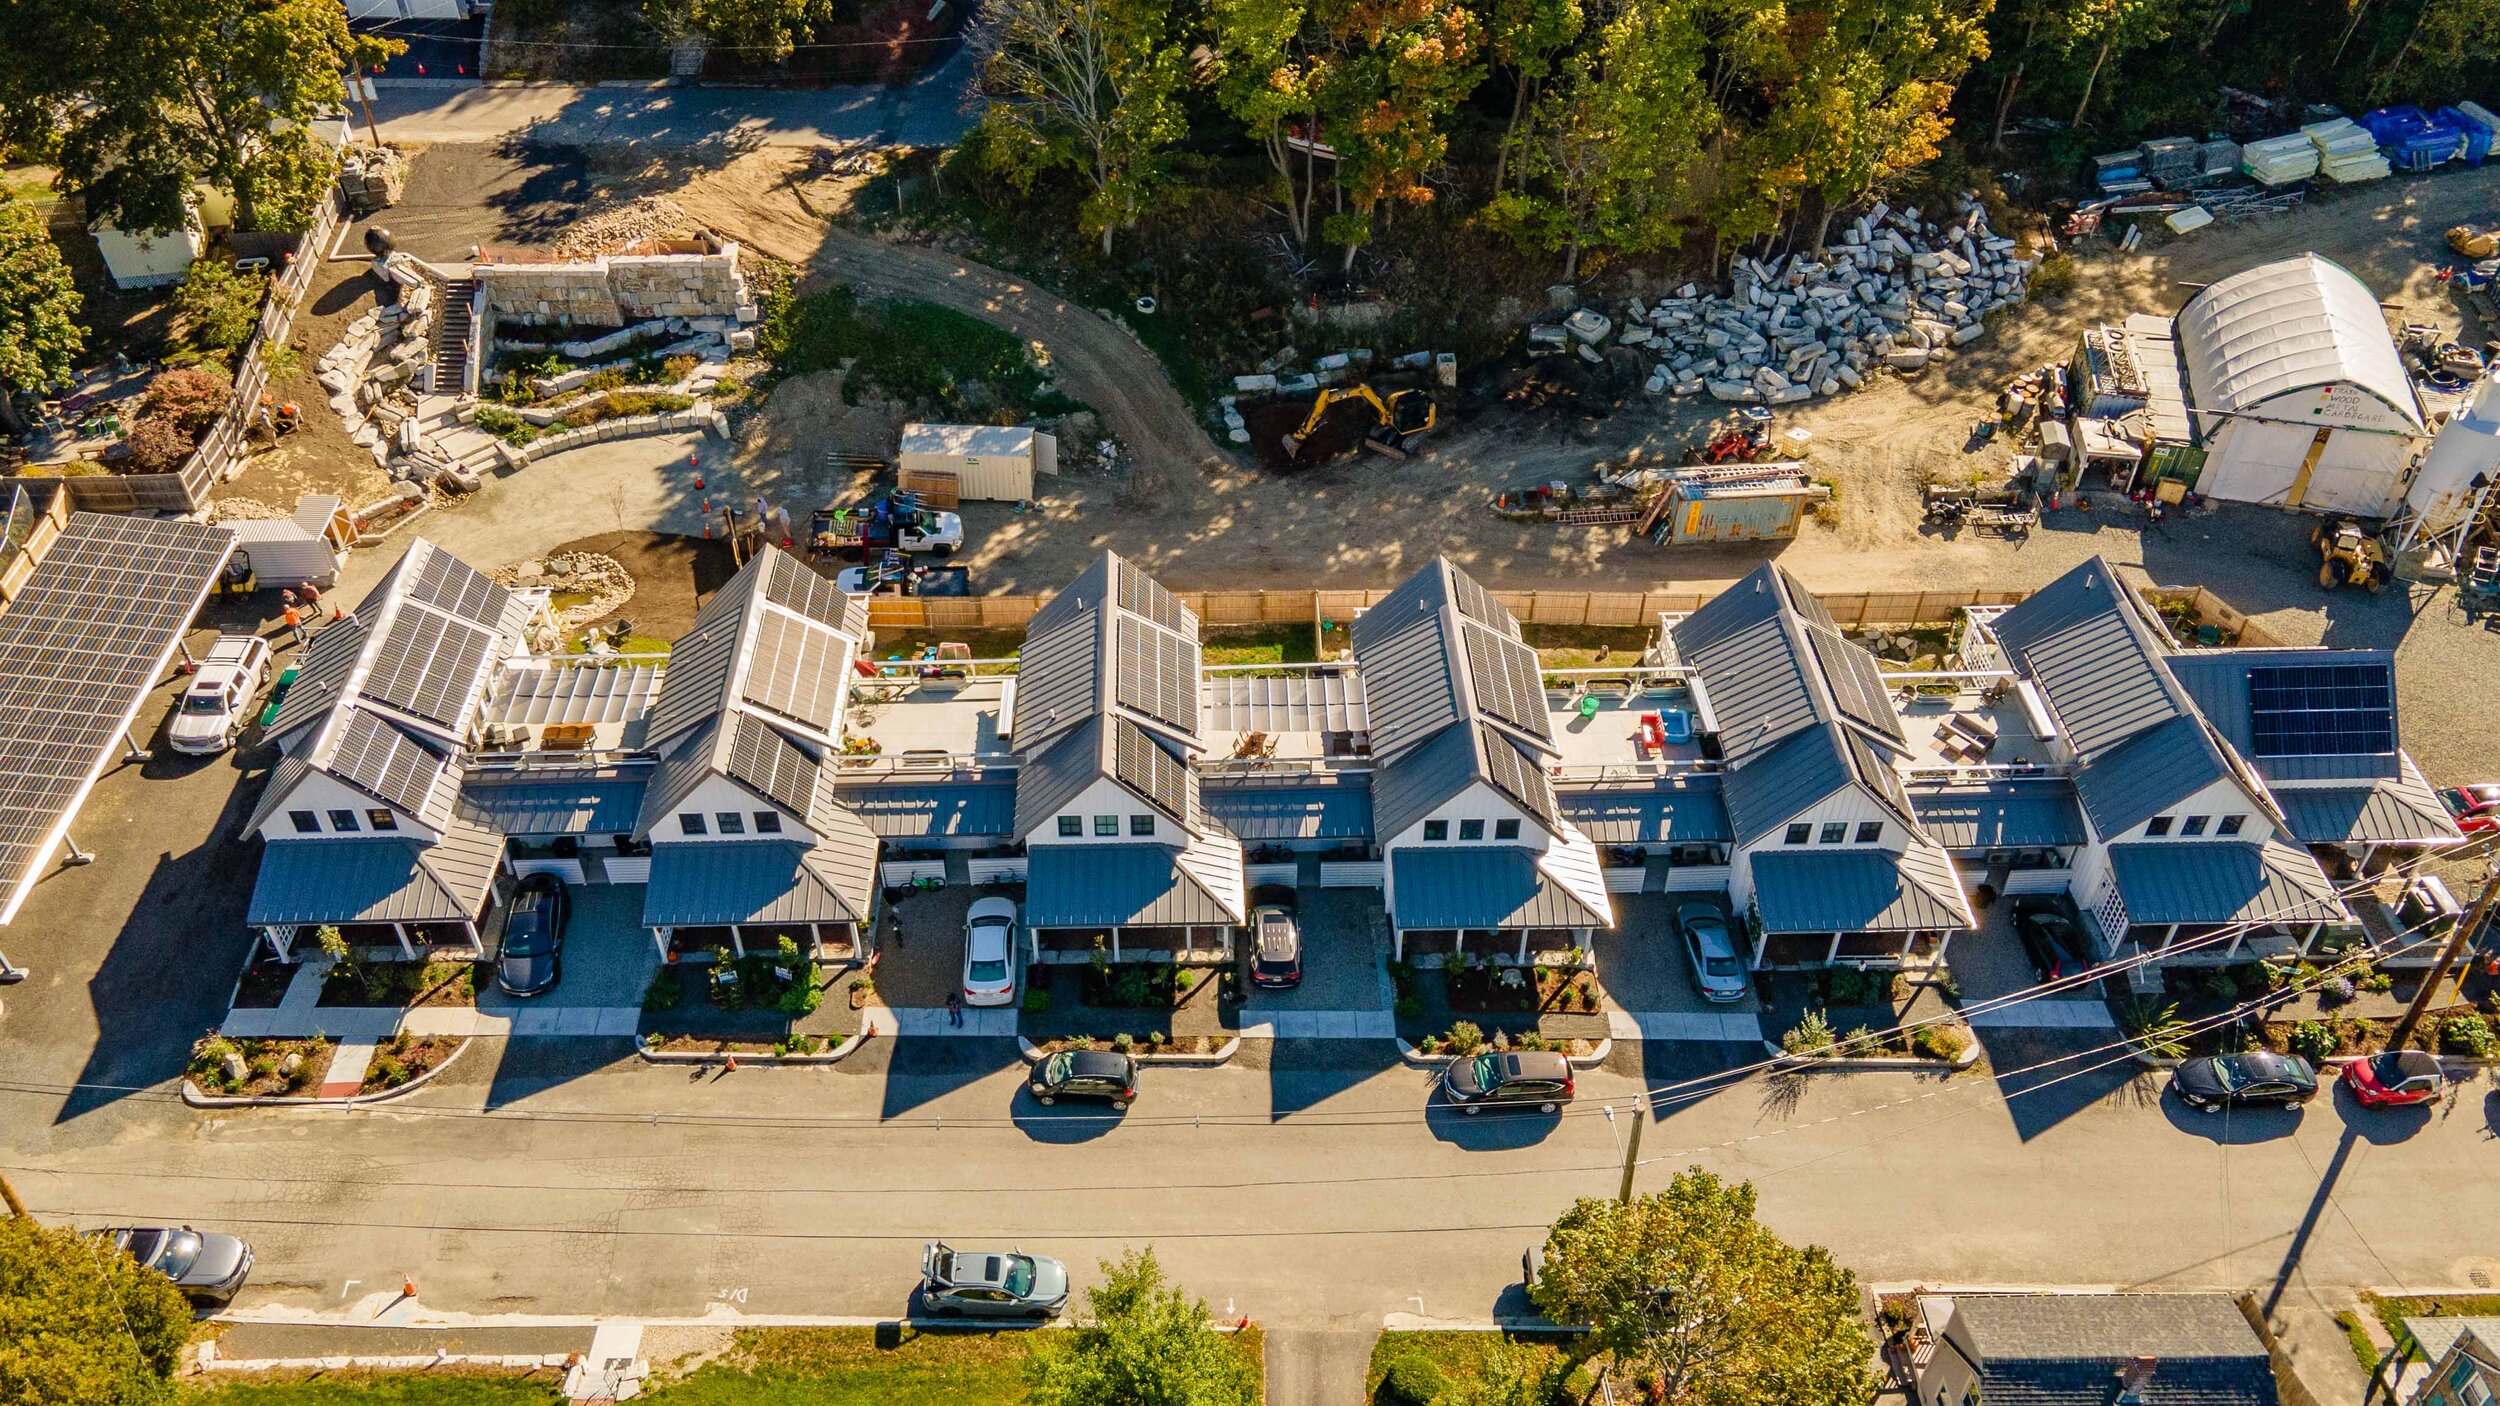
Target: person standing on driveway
[[954, 1008], [295, 623]]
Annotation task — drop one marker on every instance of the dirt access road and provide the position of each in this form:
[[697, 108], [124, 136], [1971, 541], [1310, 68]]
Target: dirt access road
[[1214, 521]]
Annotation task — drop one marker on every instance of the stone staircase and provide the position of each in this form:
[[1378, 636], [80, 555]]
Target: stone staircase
[[452, 330]]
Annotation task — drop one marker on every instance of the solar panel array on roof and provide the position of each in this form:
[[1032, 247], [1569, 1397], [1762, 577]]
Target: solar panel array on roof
[[79, 643], [1158, 673], [1477, 604], [449, 584], [1141, 594], [428, 665], [792, 586], [2314, 710], [773, 764], [1857, 690], [1515, 776], [387, 762], [1507, 684], [1141, 764], [796, 670]]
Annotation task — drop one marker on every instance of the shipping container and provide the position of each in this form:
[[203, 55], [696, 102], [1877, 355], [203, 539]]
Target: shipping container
[[1763, 503], [995, 462]]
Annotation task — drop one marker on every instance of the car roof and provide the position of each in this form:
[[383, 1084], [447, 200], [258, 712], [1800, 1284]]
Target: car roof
[[1535, 1064], [2265, 1061], [1278, 942], [1098, 1064], [2412, 1062], [988, 943]]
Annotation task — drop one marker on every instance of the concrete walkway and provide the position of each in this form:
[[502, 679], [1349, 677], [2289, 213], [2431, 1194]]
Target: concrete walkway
[[1317, 1366], [348, 1063], [1731, 1027], [2046, 1014], [990, 1023]]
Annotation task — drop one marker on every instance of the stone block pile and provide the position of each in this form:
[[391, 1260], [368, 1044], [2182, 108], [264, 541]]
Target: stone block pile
[[379, 363], [1897, 290]]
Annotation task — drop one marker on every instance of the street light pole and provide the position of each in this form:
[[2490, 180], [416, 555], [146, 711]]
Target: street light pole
[[1632, 1149], [2449, 956]]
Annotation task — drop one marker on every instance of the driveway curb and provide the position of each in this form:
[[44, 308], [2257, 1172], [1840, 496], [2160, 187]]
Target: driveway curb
[[1784, 1063], [1223, 1055], [192, 1096], [1420, 1060], [834, 1055]]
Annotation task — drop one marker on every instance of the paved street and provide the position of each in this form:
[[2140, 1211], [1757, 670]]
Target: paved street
[[928, 111]]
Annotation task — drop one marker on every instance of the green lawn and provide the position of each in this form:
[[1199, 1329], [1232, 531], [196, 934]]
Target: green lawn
[[445, 1388], [886, 1366], [1428, 1362], [2392, 1312], [1258, 644]]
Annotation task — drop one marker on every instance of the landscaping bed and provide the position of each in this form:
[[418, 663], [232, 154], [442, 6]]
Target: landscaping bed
[[1144, 985], [263, 985], [449, 1385], [774, 1002], [404, 1058], [1058, 1010], [2459, 1031], [266, 1066], [1465, 1038], [1142, 1043], [1480, 986], [881, 1366], [793, 1044], [402, 984], [1434, 1006], [1418, 1368]]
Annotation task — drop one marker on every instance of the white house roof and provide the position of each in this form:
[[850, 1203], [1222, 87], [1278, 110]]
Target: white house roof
[[972, 440], [2290, 326]]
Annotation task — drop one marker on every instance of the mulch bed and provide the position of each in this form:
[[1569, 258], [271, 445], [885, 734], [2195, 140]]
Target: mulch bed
[[1138, 1043], [262, 1058], [679, 1005], [1203, 1014], [403, 984], [1557, 991], [706, 1044], [263, 985], [1144, 986], [406, 1056], [673, 575]]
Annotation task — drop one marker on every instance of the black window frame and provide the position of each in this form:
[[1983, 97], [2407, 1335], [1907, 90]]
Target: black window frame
[[768, 822], [1835, 832], [1141, 827], [2157, 827], [2229, 825], [1106, 827], [380, 819], [1472, 829], [1436, 831], [306, 822], [1870, 832], [691, 823], [2193, 826], [1799, 833], [1072, 827], [729, 822], [343, 822], [1506, 829]]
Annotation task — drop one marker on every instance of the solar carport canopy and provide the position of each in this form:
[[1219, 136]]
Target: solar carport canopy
[[92, 631]]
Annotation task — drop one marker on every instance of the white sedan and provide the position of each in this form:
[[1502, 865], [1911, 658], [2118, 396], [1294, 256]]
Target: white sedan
[[989, 952], [213, 708]]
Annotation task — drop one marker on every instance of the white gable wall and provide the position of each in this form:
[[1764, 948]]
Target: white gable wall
[[2222, 798], [1107, 797], [717, 794], [1478, 802], [322, 793]]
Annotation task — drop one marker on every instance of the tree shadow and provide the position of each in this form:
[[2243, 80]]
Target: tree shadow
[[1303, 1074]]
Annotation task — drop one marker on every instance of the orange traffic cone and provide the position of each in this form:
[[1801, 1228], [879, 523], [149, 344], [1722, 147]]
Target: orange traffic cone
[[408, 1286], [733, 1061]]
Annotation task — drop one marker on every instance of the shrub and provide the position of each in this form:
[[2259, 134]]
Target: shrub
[[1412, 1381], [1430, 1044], [1080, 1042], [2311, 1040], [2376, 981], [1811, 1035], [1123, 1042], [1940, 1042], [2155, 1032], [1409, 1006], [155, 446], [678, 368], [2221, 985], [192, 398], [609, 380], [505, 425], [729, 388], [2055, 278], [664, 992], [1154, 1039], [218, 307], [1466, 1037], [1036, 1001], [2468, 1035], [1858, 1042], [1184, 980], [806, 993], [1847, 986], [387, 1071]]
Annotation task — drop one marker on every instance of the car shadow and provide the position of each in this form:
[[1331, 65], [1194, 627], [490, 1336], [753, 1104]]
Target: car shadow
[[1503, 1131], [1063, 1124], [2379, 1127], [2237, 1127]]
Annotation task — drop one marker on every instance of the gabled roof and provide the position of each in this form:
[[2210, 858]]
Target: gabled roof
[[2290, 325], [1859, 890], [1801, 711], [2220, 881], [2219, 681], [2386, 810], [2066, 1349], [420, 650], [935, 809], [1111, 885], [1107, 688], [381, 879], [708, 883], [1316, 806], [1488, 886], [1454, 698]]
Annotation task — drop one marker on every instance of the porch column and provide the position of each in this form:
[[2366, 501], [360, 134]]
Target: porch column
[[1115, 944], [1458, 943], [815, 941], [737, 940], [1944, 944], [659, 939], [1832, 958], [1761, 948], [2237, 939], [407, 948], [2169, 935], [2310, 940], [1397, 942], [1523, 945], [477, 944]]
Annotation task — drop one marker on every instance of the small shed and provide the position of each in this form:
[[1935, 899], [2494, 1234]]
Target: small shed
[[2297, 390], [2131, 405], [290, 551], [987, 461], [138, 259]]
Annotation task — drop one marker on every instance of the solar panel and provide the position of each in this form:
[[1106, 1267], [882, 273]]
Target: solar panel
[[427, 665], [1157, 673], [1856, 687], [772, 764], [796, 669], [2322, 710], [1477, 604], [1143, 766], [451, 585], [1515, 776], [1506, 680], [387, 762], [1141, 594], [792, 586]]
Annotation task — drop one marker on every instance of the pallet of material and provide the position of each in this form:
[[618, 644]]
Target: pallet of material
[[2347, 153], [2279, 161]]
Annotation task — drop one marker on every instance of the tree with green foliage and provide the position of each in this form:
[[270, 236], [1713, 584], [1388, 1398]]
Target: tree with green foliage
[[1615, 138], [1526, 39], [2104, 28], [771, 30], [1506, 1374], [217, 308], [2448, 37], [1404, 68], [39, 306], [1869, 98], [1686, 1283], [1271, 67], [1146, 1343], [1089, 84], [81, 1324]]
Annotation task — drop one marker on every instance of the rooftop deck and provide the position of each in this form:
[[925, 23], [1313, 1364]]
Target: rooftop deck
[[1949, 733], [1597, 728], [917, 723]]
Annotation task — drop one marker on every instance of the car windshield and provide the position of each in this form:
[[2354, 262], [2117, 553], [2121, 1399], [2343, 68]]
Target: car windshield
[[1056, 1068], [1488, 1071], [1019, 1276], [203, 703], [182, 1250], [2233, 1075], [525, 940], [989, 971], [1723, 966]]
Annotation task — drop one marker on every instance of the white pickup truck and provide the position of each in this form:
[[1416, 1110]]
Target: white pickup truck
[[213, 708]]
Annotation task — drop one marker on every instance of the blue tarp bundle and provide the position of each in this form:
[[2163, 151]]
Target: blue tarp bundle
[[2411, 139]]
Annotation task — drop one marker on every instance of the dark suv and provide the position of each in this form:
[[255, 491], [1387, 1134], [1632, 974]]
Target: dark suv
[[1101, 1074], [1540, 1079]]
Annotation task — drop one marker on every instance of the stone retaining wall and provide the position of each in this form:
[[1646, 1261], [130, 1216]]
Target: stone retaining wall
[[615, 289]]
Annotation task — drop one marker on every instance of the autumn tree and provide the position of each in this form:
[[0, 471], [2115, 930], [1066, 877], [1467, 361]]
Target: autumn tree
[[1403, 68], [1088, 84], [770, 30], [80, 1322], [1686, 1283], [2447, 38], [1271, 67], [1871, 90], [2107, 28], [39, 307]]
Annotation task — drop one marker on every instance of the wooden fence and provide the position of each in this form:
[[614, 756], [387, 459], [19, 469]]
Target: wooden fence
[[890, 615]]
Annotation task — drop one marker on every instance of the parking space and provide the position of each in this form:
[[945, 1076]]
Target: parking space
[[921, 951], [608, 955], [1344, 943], [1642, 962]]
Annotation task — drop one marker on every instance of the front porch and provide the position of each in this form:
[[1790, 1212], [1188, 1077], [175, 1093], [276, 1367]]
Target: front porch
[[1809, 951], [1521, 946], [1189, 945], [822, 942]]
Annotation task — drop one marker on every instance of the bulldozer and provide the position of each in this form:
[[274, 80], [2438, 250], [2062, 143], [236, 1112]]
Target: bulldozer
[[2350, 555], [1404, 417]]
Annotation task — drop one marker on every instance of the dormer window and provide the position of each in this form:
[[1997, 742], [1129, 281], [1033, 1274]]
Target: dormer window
[[691, 823], [2230, 824], [2157, 827], [1436, 831], [1870, 832], [1471, 829], [381, 819]]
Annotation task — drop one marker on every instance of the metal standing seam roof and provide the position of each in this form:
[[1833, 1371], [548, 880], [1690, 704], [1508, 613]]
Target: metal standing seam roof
[[2218, 680], [562, 805], [1262, 811], [934, 810], [560, 693], [2292, 325], [1859, 890], [1483, 886], [2216, 881], [1762, 794], [2148, 774], [2008, 815], [2067, 1349], [714, 883], [1316, 700], [967, 440], [1680, 812], [1108, 687], [1136, 885], [81, 645], [2386, 810], [376, 880]]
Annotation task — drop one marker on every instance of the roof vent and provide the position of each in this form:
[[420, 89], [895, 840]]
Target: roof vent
[[2091, 583], [2133, 1378]]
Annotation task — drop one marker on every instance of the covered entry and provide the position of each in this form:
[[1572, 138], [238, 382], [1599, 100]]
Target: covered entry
[[755, 892], [1859, 906], [379, 890], [1143, 900], [1497, 898]]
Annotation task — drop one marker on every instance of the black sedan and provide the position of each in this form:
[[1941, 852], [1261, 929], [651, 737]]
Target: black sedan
[[1107, 1075], [533, 938], [2052, 941], [2259, 1078], [207, 1268], [1538, 1079]]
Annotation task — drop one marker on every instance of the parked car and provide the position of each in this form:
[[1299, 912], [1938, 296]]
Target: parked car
[[1717, 970], [2257, 1078], [2476, 807], [215, 706], [2396, 1078], [532, 958], [2052, 941], [208, 1268], [989, 952], [991, 1283], [1107, 1075], [1275, 950], [1539, 1079]]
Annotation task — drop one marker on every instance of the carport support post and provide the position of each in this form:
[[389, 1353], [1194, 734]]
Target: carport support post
[[1523, 945], [137, 752], [76, 856], [659, 939], [406, 948], [1115, 944], [477, 944]]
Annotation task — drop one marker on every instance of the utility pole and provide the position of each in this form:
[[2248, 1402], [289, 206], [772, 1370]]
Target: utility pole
[[8, 1194], [362, 87], [2458, 942], [1632, 1149]]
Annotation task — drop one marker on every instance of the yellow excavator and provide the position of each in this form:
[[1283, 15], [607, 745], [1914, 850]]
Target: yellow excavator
[[2348, 555], [1404, 417]]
